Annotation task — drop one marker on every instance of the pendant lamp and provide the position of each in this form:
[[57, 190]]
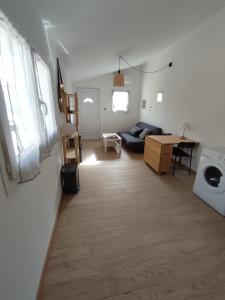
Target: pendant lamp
[[118, 80]]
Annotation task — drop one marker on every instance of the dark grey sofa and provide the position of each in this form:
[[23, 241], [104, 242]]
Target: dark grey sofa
[[136, 144]]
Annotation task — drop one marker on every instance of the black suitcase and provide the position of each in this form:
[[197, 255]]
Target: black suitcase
[[70, 178]]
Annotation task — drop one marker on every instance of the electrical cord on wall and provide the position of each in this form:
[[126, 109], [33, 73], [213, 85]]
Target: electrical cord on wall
[[145, 72]]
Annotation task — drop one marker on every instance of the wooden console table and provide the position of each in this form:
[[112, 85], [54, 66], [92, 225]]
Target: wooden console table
[[158, 151]]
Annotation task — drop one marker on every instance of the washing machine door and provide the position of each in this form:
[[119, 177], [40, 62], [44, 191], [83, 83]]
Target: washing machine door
[[213, 175]]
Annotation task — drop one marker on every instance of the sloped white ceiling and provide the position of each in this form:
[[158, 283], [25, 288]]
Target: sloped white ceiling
[[96, 32]]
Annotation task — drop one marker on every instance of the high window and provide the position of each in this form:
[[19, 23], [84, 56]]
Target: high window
[[120, 101]]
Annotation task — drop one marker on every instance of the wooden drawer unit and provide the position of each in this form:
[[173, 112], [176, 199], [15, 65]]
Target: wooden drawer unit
[[159, 148], [154, 146], [158, 156], [166, 149]]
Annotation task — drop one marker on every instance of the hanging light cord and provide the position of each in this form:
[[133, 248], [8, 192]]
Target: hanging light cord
[[141, 71]]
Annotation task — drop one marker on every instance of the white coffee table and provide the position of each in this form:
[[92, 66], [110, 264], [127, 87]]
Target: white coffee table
[[111, 140]]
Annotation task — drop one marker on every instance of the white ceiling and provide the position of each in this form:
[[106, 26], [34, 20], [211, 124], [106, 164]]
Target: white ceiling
[[96, 32]]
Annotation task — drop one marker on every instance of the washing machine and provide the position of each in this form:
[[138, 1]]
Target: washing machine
[[210, 179]]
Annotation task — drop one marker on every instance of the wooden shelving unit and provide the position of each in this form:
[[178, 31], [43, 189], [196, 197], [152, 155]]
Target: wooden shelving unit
[[71, 143]]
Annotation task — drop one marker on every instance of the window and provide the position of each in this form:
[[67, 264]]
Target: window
[[26, 133], [14, 92], [88, 100], [45, 96], [120, 101], [18, 103], [159, 96]]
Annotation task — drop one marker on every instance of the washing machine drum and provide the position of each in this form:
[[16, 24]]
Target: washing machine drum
[[214, 177]]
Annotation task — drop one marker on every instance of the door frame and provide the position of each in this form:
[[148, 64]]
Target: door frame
[[92, 88]]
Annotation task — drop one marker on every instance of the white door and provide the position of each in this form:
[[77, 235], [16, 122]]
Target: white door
[[89, 115]]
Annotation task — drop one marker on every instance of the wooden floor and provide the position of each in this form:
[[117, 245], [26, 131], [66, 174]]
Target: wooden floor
[[132, 235]]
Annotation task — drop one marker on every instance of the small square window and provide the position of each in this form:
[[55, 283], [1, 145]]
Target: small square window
[[120, 101], [159, 96]]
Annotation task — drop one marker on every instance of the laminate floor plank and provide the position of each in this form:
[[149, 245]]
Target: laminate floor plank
[[130, 234]]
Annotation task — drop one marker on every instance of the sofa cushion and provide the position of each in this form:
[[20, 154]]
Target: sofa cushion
[[128, 138], [154, 130], [144, 133], [135, 131]]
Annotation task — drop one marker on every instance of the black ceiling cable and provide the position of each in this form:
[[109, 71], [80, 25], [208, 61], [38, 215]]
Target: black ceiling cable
[[146, 72]]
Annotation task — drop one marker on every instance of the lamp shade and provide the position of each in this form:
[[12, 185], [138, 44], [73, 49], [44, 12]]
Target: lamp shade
[[118, 79], [186, 125]]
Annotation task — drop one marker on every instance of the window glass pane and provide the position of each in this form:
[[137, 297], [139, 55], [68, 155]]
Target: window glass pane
[[159, 97], [14, 81], [120, 101], [88, 100], [45, 95]]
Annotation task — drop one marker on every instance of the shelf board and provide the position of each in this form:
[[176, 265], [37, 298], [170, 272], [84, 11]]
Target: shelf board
[[71, 160], [70, 153], [72, 112], [75, 134]]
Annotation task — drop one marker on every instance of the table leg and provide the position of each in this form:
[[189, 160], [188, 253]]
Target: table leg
[[105, 145], [119, 146]]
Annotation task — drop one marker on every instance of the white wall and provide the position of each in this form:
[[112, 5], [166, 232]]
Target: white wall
[[194, 88], [114, 122], [28, 214]]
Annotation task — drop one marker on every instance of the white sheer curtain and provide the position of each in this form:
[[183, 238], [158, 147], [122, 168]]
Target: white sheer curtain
[[23, 135], [46, 99]]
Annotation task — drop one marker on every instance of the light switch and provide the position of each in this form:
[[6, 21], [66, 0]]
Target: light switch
[[150, 107]]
